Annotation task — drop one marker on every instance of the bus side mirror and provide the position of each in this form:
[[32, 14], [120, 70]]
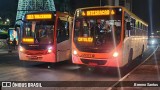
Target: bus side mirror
[[128, 26]]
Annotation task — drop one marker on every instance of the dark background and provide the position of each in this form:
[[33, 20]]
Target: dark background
[[148, 10]]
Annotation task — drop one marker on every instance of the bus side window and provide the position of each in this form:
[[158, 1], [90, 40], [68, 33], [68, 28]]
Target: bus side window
[[126, 31], [62, 31]]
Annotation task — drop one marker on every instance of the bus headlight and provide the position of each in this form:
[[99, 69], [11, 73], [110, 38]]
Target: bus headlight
[[49, 49], [115, 54], [21, 49], [75, 52]]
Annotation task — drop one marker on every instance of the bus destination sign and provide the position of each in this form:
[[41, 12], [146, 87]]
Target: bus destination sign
[[98, 12], [38, 16]]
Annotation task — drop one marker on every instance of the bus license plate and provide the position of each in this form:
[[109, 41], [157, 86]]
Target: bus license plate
[[88, 55], [33, 57], [93, 64]]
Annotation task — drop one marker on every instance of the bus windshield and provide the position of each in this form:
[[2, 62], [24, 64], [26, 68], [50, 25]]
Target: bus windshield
[[97, 34], [40, 31]]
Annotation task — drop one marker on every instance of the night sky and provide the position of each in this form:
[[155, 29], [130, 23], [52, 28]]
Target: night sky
[[140, 8], [8, 8]]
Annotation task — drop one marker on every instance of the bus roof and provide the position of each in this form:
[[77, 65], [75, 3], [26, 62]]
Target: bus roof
[[37, 12]]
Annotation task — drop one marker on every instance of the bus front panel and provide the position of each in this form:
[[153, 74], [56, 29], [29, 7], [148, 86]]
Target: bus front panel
[[37, 41], [97, 36]]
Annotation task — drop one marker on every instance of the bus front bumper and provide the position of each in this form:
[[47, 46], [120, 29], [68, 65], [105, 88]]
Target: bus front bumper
[[110, 62], [38, 58]]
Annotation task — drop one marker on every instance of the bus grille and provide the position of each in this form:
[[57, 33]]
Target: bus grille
[[98, 62], [35, 52]]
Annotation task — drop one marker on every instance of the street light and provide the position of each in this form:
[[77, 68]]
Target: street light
[[7, 21], [1, 22], [152, 34], [158, 31]]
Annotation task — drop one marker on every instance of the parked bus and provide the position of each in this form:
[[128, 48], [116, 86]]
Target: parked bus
[[108, 36], [45, 37]]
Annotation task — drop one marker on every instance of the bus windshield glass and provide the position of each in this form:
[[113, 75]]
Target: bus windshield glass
[[97, 34], [37, 32]]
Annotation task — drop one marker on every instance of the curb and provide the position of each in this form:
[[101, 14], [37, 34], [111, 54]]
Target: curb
[[6, 52]]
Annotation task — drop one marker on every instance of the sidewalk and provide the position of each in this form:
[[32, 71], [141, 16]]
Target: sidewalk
[[5, 51]]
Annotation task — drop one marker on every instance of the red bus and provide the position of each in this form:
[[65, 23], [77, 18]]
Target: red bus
[[109, 36], [45, 37]]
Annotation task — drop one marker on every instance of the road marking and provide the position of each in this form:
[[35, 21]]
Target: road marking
[[110, 88]]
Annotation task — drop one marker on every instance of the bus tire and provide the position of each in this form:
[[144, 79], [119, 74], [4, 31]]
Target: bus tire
[[130, 56], [141, 56]]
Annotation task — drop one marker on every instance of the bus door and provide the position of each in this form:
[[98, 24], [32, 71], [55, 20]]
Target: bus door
[[63, 41]]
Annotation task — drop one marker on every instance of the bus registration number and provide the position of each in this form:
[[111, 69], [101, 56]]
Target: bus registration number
[[33, 57], [88, 55]]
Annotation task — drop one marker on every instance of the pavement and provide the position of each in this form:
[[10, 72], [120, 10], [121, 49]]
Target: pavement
[[147, 74], [4, 48], [6, 52]]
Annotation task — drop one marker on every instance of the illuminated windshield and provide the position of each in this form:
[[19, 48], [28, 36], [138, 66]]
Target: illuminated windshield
[[100, 34], [40, 31]]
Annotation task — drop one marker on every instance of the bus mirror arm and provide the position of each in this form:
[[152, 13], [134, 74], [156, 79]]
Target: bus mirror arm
[[16, 27]]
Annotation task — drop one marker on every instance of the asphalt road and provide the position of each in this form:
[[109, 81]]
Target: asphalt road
[[12, 69], [147, 75]]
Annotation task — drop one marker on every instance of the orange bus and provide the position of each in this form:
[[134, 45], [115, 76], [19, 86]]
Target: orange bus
[[45, 37], [109, 36]]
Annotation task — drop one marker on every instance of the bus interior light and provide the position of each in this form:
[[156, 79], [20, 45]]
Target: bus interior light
[[75, 52], [120, 9], [115, 54]]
